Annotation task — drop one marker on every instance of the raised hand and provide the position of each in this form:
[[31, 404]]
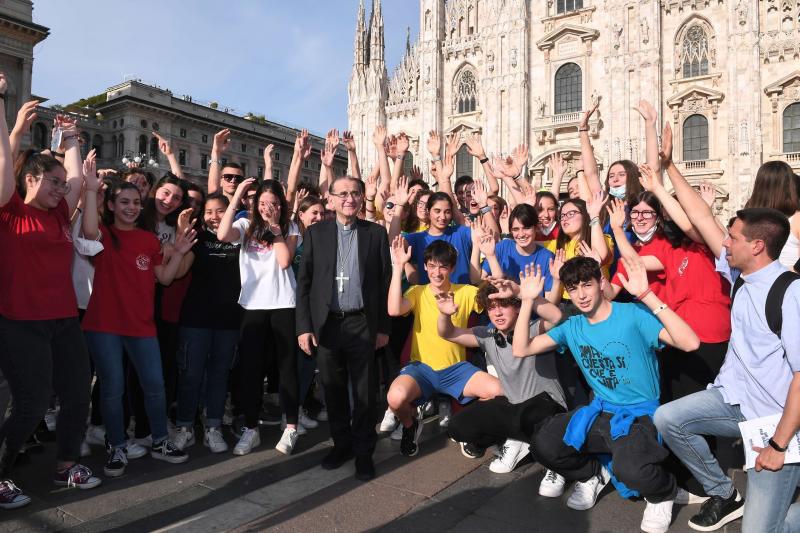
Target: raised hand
[[434, 143], [475, 146], [371, 186], [557, 165], [401, 252], [448, 167], [636, 281], [401, 193], [327, 154], [90, 177], [268, 153], [708, 193], [647, 111], [528, 195], [163, 144], [595, 204], [647, 177], [332, 137], [379, 136], [587, 251], [479, 193], [616, 212], [391, 147], [486, 243], [349, 141], [222, 140], [185, 240], [505, 288], [556, 263], [298, 199], [402, 143], [584, 124], [446, 303], [242, 188], [453, 142], [26, 115], [416, 173], [507, 167], [531, 282], [666, 146], [305, 144], [185, 220], [520, 156]]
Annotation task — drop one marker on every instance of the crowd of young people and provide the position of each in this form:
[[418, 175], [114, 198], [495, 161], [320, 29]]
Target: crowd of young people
[[606, 334]]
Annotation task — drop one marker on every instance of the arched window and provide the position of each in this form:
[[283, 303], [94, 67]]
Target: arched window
[[695, 138], [568, 89], [40, 136], [97, 145], [154, 147], [408, 165], [121, 146], [142, 144], [85, 144], [466, 92], [563, 6], [791, 129], [694, 52], [463, 162], [114, 147]]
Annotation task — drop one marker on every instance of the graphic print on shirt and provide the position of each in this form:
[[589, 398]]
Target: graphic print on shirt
[[143, 262], [684, 264], [603, 368], [258, 247]]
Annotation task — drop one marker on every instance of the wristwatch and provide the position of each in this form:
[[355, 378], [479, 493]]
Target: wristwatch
[[217, 161], [774, 445]]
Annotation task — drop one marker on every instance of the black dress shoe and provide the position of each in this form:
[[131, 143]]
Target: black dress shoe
[[336, 458], [365, 468]]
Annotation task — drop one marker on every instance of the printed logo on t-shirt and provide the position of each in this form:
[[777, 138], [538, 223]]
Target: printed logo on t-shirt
[[603, 368], [258, 247], [684, 264], [143, 262]]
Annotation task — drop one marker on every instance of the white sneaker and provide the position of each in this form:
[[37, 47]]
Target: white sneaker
[[657, 517], [397, 434], [147, 441], [183, 438], [584, 495], [86, 451], [299, 427], [513, 451], [96, 435], [214, 441], [684, 497], [444, 413], [322, 416], [389, 422], [172, 429], [50, 418], [426, 409], [288, 440], [306, 421], [552, 485], [135, 451], [250, 439]]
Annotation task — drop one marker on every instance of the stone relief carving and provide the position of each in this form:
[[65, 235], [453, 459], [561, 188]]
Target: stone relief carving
[[617, 29], [644, 29]]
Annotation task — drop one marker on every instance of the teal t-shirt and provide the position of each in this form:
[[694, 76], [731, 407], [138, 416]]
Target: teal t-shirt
[[618, 355]]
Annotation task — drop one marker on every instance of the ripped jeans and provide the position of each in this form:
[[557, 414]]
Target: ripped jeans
[[205, 359]]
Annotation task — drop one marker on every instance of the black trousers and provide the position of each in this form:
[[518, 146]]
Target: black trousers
[[490, 422], [37, 357], [268, 335], [346, 354], [637, 457]]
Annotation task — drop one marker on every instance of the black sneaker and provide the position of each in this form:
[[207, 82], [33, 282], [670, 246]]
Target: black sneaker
[[11, 496], [716, 512], [167, 451], [270, 415], [117, 461], [471, 451], [408, 444]]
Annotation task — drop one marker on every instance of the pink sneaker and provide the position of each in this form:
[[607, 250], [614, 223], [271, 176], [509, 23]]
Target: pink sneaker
[[76, 476]]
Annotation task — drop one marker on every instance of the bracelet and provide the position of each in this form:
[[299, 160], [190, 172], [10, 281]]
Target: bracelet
[[370, 199], [484, 160], [660, 308], [217, 161], [518, 177], [644, 294], [579, 170], [583, 129], [68, 137], [485, 210], [594, 221], [777, 447]]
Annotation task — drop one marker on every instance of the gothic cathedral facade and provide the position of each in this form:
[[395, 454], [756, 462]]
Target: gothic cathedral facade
[[726, 73]]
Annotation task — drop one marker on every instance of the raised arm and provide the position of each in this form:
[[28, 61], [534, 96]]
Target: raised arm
[[302, 151], [268, 161], [165, 148], [401, 149], [475, 149], [696, 209], [225, 231], [650, 116], [8, 184], [167, 272], [599, 244], [401, 198], [25, 117], [352, 156], [530, 290], [326, 174], [221, 142], [671, 206], [397, 305], [444, 326], [616, 212], [73, 162], [481, 197], [590, 171], [90, 225], [558, 167]]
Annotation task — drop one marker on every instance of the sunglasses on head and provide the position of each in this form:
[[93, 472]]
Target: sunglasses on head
[[233, 177]]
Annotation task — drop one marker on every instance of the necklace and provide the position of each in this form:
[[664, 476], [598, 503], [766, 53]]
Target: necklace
[[341, 278]]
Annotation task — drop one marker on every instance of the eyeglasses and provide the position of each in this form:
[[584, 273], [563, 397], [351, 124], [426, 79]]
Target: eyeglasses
[[422, 203], [58, 185], [233, 177], [503, 340], [568, 215], [355, 195], [644, 215]]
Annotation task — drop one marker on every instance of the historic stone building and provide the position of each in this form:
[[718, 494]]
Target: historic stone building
[[725, 73]]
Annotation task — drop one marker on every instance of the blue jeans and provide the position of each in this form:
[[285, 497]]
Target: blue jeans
[[682, 424], [107, 351], [209, 353]]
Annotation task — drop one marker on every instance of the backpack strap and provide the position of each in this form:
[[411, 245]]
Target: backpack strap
[[774, 306], [736, 286]]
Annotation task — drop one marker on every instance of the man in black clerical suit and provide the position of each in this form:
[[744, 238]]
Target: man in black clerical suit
[[342, 286]]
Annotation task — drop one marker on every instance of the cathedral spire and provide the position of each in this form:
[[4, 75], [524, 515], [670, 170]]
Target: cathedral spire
[[376, 47], [408, 39], [361, 52]]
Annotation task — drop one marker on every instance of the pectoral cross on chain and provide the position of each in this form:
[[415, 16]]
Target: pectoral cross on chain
[[341, 278]]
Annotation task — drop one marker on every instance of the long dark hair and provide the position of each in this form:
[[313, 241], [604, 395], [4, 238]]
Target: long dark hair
[[307, 203], [585, 233], [35, 163], [149, 220], [650, 199], [632, 185], [218, 196], [258, 228], [113, 190], [411, 223], [775, 187]]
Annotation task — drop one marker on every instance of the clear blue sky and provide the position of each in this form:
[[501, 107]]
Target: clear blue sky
[[287, 59]]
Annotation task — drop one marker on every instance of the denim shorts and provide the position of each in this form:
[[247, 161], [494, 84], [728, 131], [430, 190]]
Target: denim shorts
[[450, 380]]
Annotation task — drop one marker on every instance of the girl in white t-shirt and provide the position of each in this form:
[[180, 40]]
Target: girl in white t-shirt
[[268, 240]]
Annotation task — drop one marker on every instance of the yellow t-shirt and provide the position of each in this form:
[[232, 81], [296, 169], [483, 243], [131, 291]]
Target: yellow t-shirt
[[426, 344], [571, 249]]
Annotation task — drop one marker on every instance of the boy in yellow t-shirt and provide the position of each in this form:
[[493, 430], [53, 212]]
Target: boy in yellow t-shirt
[[436, 365]]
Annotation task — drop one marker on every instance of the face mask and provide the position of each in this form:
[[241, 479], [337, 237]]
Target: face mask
[[645, 237], [547, 230], [617, 192]]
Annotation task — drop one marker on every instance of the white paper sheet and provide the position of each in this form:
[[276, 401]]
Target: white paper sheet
[[758, 431]]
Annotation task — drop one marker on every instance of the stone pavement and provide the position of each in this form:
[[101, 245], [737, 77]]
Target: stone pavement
[[438, 490]]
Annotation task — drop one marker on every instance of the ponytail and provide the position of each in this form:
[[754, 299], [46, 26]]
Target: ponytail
[[35, 163]]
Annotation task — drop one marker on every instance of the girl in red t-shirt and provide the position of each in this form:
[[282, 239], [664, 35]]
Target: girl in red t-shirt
[[41, 339], [120, 313]]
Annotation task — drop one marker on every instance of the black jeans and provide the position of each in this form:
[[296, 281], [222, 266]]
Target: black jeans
[[490, 422], [346, 354], [36, 357], [637, 457], [267, 335]]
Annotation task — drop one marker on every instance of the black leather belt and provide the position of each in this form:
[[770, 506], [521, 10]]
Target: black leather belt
[[344, 314]]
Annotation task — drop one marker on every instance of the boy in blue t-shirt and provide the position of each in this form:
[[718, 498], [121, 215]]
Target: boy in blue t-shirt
[[615, 347]]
